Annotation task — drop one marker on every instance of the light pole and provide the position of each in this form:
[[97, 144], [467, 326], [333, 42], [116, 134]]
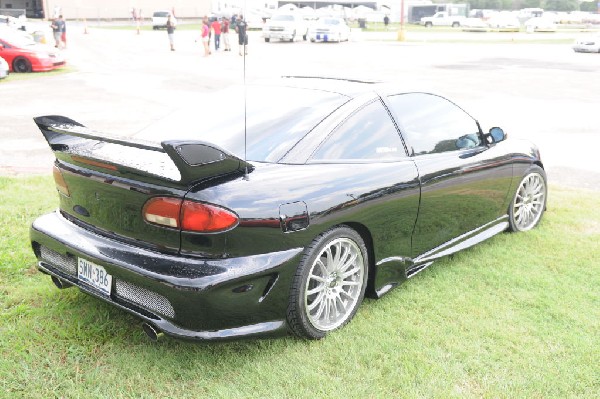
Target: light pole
[[401, 30]]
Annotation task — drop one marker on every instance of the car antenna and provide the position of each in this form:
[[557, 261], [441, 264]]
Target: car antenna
[[244, 39]]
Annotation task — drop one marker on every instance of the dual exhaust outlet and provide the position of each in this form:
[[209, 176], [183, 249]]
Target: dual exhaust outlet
[[151, 331]]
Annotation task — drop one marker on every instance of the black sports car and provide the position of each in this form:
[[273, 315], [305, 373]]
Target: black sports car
[[278, 207]]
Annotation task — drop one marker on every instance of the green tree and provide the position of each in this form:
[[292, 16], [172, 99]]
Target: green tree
[[589, 6], [561, 5]]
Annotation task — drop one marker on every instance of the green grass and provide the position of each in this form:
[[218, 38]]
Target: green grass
[[515, 317], [15, 77]]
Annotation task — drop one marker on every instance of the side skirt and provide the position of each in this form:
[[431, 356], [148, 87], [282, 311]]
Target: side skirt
[[461, 242], [390, 272]]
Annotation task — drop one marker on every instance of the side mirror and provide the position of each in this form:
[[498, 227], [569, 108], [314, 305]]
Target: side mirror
[[495, 135]]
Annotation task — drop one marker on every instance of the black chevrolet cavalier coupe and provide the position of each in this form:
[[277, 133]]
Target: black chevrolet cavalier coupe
[[278, 207]]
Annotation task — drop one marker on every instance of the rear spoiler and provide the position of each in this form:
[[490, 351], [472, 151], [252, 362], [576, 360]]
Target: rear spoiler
[[195, 160]]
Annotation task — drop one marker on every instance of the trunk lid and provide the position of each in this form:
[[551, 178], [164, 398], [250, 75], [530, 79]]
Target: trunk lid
[[110, 179]]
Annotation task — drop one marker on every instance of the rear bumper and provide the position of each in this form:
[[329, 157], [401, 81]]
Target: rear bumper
[[281, 35], [183, 296]]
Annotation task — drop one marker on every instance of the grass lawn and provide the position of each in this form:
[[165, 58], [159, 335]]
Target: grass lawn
[[515, 317], [14, 76]]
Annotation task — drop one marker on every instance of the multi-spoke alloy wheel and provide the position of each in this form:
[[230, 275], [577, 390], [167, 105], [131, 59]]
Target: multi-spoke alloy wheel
[[330, 283], [529, 202]]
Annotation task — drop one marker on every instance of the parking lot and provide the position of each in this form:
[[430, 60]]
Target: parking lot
[[122, 82]]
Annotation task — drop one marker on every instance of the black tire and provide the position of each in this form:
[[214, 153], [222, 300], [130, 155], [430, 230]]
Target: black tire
[[293, 37], [21, 65], [335, 267], [267, 39], [305, 36], [529, 201], [428, 24], [455, 24]]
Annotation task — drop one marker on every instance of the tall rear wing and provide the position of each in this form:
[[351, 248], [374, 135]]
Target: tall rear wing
[[179, 161]]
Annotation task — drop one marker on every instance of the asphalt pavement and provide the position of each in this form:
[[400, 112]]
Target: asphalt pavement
[[123, 82]]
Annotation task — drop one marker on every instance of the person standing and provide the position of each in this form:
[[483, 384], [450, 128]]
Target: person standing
[[205, 36], [386, 21], [56, 31], [240, 28], [216, 28], [171, 32], [225, 34]]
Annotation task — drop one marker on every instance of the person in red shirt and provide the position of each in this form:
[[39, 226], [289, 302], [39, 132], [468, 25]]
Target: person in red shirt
[[216, 28], [225, 34]]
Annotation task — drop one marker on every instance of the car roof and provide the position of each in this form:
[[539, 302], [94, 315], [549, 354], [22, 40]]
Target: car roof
[[349, 87]]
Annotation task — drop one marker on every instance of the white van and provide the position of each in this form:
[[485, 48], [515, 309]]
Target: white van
[[159, 19]]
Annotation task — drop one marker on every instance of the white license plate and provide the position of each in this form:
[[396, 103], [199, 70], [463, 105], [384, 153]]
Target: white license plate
[[94, 275]]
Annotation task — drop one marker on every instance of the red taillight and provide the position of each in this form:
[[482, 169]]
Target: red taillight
[[188, 215], [163, 211], [61, 184], [206, 218]]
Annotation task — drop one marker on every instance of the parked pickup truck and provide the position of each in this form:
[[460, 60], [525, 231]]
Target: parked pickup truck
[[443, 19]]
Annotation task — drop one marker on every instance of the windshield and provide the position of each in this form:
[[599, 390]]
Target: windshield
[[18, 40], [329, 21], [276, 119], [282, 17]]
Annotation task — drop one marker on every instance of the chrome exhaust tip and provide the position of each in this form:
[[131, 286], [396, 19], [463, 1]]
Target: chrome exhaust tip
[[60, 284], [152, 332]]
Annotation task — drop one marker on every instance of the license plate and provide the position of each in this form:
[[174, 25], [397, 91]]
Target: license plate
[[94, 275]]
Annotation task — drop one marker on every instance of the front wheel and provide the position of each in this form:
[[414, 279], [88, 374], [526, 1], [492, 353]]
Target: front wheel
[[455, 24], [529, 202], [21, 65], [267, 39], [329, 284]]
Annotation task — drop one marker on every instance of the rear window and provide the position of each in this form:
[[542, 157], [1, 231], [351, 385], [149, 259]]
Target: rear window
[[276, 119], [163, 14]]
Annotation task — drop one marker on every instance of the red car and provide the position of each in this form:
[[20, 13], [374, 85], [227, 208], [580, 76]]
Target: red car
[[24, 55]]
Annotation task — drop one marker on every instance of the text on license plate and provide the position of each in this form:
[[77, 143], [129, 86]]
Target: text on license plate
[[94, 275]]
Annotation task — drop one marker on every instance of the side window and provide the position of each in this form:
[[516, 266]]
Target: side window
[[368, 134], [432, 124]]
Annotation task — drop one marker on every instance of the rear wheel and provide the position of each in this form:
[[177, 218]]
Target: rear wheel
[[329, 284], [529, 202], [455, 24], [21, 65], [267, 39], [428, 24]]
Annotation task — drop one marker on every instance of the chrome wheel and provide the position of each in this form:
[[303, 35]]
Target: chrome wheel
[[529, 203], [334, 284], [329, 284]]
